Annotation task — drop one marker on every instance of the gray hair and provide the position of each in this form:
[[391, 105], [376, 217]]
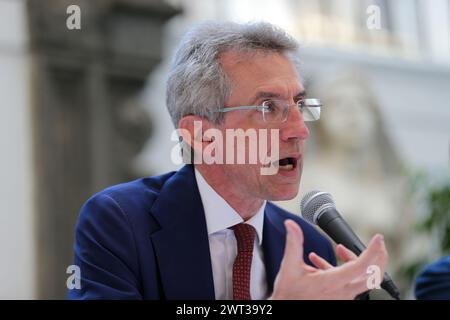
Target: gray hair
[[197, 84]]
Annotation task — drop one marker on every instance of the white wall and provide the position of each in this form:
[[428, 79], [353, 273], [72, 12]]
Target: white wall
[[413, 97], [17, 260]]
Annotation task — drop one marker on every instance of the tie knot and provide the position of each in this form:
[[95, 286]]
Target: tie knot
[[245, 236]]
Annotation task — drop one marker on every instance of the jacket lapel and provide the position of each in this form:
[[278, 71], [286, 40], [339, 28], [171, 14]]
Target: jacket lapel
[[274, 240], [181, 245]]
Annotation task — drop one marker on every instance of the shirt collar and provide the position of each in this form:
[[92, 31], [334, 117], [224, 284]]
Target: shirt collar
[[220, 215]]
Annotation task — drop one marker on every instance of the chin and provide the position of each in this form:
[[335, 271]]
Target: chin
[[283, 194]]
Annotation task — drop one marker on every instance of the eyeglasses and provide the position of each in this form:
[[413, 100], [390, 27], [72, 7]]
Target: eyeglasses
[[276, 111]]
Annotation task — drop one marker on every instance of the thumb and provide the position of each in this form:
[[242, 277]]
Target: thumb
[[293, 251]]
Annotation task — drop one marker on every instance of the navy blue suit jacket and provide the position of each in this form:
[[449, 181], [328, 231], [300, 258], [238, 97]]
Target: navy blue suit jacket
[[434, 281], [147, 239]]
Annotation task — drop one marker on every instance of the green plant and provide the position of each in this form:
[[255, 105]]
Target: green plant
[[438, 220], [433, 192]]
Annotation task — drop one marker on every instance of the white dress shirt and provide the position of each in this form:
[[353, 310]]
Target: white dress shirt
[[223, 246]]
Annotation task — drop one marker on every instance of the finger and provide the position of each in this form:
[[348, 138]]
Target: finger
[[319, 262], [293, 251], [309, 269], [375, 254], [344, 253]]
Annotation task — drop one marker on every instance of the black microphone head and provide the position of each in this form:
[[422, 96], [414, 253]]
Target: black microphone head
[[313, 204]]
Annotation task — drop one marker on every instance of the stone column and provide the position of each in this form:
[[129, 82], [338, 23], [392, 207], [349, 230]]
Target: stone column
[[87, 124]]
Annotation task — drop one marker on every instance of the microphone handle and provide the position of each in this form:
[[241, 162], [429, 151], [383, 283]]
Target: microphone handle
[[335, 226]]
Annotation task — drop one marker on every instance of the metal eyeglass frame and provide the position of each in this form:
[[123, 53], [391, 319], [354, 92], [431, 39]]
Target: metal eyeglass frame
[[309, 103]]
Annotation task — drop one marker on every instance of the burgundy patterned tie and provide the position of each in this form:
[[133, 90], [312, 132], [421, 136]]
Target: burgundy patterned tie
[[245, 236]]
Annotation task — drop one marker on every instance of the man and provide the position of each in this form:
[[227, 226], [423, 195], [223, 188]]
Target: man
[[209, 231], [433, 283]]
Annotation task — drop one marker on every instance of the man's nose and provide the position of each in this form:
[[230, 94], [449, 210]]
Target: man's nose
[[294, 126]]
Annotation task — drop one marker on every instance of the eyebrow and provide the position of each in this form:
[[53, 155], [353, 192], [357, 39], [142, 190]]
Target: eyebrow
[[266, 94]]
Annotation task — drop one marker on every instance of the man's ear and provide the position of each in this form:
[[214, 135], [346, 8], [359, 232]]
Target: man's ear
[[186, 129], [192, 128]]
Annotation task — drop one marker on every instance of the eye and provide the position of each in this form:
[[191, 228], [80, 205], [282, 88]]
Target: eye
[[300, 101], [270, 105]]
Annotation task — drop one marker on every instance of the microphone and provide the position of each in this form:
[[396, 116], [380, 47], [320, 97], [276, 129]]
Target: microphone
[[318, 207]]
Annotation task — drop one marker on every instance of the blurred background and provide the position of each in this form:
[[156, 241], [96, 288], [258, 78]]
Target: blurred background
[[82, 109]]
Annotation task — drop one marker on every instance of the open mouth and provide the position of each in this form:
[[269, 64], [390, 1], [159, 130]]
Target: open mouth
[[287, 164]]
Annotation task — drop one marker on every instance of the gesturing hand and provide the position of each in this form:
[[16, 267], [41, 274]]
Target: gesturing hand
[[297, 280]]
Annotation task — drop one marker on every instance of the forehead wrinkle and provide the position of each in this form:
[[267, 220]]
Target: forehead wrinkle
[[286, 84]]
